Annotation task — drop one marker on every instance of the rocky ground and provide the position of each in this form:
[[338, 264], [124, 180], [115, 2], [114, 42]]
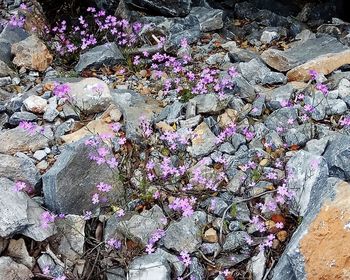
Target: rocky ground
[[212, 143]]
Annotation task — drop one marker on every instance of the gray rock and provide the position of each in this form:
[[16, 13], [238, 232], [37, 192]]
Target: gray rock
[[209, 103], [40, 155], [209, 19], [257, 266], [18, 169], [170, 113], [17, 117], [6, 71], [210, 248], [235, 240], [46, 261], [257, 72], [291, 264], [317, 146], [185, 234], [179, 267], [9, 269], [243, 89], [9, 36], [51, 112], [319, 102], [115, 274], [107, 54], [227, 148], [258, 107], [336, 154], [174, 8], [286, 60], [129, 103], [236, 181], [220, 205], [197, 269], [278, 95], [268, 36], [280, 117], [307, 172], [273, 139], [4, 119], [149, 267], [17, 249], [204, 142], [69, 183], [4, 81], [18, 140], [335, 107], [344, 90], [71, 232], [150, 221], [299, 135]]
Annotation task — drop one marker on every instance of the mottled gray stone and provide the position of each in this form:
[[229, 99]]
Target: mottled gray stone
[[235, 240], [166, 8], [204, 141], [209, 103], [280, 117], [299, 135], [151, 220], [335, 107], [69, 183], [257, 72], [243, 89], [307, 172], [9, 269], [197, 269], [9, 36], [186, 233], [17, 117], [258, 107], [107, 54], [278, 95], [209, 19]]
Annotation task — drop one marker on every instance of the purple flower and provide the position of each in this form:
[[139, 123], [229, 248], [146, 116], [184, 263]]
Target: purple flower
[[114, 243], [19, 186], [313, 74], [185, 258], [46, 218], [323, 88]]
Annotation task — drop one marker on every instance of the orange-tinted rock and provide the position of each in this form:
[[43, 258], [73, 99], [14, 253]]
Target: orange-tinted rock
[[326, 246], [325, 64], [32, 54]]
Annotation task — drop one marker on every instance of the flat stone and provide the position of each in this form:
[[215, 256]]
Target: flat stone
[[17, 250], [275, 97], [10, 35], [209, 19], [166, 8], [149, 267], [299, 135], [311, 244], [32, 54], [18, 140], [185, 235], [9, 269], [280, 117], [209, 103], [69, 183], [90, 95], [151, 220], [257, 265], [257, 72], [18, 169], [284, 61], [35, 104], [107, 54], [235, 240], [129, 103], [204, 141], [17, 117], [324, 64], [307, 173]]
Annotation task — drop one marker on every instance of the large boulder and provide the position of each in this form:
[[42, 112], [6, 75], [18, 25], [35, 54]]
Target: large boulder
[[165, 7]]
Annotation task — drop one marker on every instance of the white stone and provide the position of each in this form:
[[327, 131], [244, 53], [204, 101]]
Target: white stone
[[35, 104]]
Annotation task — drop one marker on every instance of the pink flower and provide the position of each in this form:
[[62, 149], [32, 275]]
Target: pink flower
[[114, 243], [120, 213], [95, 198], [103, 187], [19, 186], [279, 225], [185, 258], [87, 215], [46, 218], [149, 249]]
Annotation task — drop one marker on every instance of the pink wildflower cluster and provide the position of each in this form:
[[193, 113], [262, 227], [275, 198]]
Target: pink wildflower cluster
[[98, 196], [168, 169], [17, 21], [19, 186], [31, 128], [47, 218], [90, 30], [62, 91], [208, 181], [345, 122], [174, 140], [145, 127], [185, 258], [226, 133], [102, 152], [156, 236], [114, 243], [183, 205]]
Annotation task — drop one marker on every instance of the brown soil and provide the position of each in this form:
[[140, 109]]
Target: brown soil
[[326, 247]]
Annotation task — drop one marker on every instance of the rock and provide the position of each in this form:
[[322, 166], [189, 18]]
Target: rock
[[204, 141], [90, 95], [209, 103], [276, 97], [5, 81], [317, 146], [115, 274], [209, 19], [149, 267], [35, 104], [324, 64], [95, 127], [335, 107], [51, 112], [235, 240], [268, 36], [40, 155], [178, 267], [9, 269], [181, 28], [171, 113], [299, 135], [32, 54], [307, 172], [71, 230], [197, 269], [17, 117], [151, 220], [313, 245], [46, 261], [336, 155], [10, 35], [280, 117], [257, 72], [165, 8], [284, 61], [18, 251], [257, 266], [186, 233], [107, 54], [210, 235], [129, 103], [18, 169], [244, 89], [73, 165], [18, 140], [6, 71]]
